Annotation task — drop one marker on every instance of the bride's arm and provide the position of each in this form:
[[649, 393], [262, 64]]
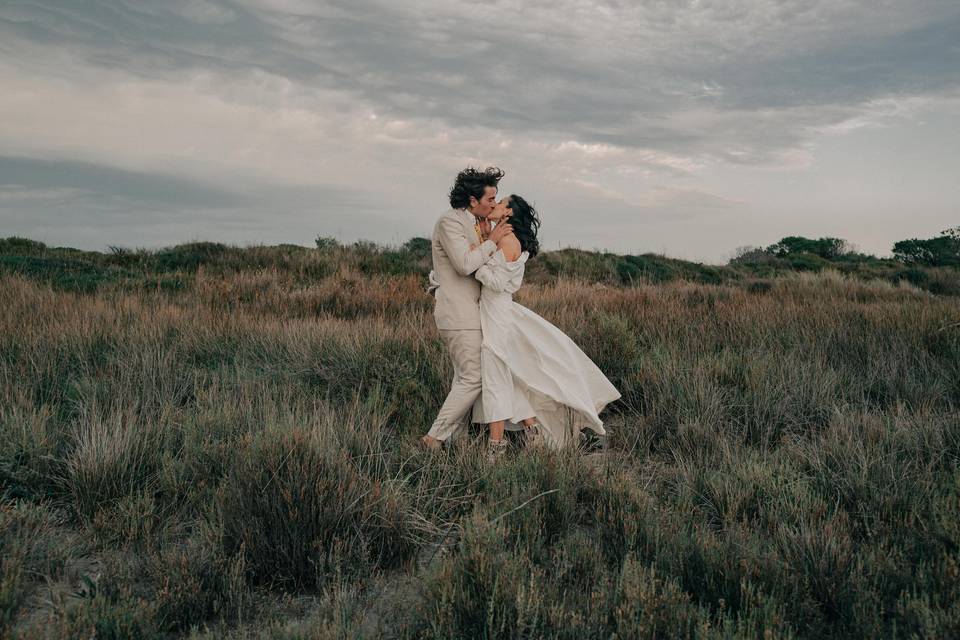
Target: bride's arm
[[489, 276]]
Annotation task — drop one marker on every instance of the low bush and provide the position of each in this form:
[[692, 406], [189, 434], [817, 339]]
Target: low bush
[[299, 511]]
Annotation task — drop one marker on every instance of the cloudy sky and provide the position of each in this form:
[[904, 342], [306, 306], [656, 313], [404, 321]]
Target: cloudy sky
[[687, 127]]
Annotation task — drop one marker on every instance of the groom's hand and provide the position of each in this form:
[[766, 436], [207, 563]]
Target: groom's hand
[[500, 231], [485, 228]]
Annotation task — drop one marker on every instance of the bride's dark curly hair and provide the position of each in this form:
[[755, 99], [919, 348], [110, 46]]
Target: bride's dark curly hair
[[525, 223]]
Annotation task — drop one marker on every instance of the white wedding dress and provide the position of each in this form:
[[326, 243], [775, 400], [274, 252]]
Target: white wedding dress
[[532, 368]]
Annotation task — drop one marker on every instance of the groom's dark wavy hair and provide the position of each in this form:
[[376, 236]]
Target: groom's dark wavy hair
[[472, 182], [525, 223]]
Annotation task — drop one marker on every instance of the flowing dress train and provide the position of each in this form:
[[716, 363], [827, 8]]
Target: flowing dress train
[[532, 368]]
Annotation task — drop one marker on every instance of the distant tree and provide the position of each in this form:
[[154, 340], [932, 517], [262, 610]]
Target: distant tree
[[941, 251], [326, 243], [826, 248], [365, 247], [750, 254], [913, 251], [419, 247]]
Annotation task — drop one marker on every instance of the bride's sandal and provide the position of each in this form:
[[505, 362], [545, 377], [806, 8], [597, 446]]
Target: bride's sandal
[[496, 449], [533, 435]]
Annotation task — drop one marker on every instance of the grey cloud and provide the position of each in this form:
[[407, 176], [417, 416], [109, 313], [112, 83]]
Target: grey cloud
[[915, 61], [204, 12], [39, 174], [520, 82], [147, 39], [32, 175], [685, 90], [89, 205], [614, 74], [152, 188]]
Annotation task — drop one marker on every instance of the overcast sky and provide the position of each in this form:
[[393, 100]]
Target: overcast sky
[[688, 128]]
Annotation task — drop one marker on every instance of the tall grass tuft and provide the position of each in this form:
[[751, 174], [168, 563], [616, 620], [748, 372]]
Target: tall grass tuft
[[114, 456], [300, 509]]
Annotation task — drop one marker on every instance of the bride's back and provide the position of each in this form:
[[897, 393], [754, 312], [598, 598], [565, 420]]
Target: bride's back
[[510, 246]]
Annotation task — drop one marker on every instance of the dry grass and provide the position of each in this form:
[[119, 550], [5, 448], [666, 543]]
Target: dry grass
[[237, 456]]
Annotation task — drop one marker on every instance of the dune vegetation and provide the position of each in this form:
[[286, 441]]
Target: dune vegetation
[[210, 441]]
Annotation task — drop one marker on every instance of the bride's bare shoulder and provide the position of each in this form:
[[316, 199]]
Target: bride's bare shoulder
[[510, 245]]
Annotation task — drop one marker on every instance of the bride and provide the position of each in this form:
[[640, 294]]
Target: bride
[[534, 377]]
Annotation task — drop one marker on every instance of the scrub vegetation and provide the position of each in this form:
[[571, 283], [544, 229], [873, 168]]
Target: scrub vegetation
[[210, 441]]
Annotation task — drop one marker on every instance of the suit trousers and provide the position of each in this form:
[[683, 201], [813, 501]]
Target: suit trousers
[[456, 411]]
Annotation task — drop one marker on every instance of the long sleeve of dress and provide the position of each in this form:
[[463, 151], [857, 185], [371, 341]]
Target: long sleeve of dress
[[493, 277]]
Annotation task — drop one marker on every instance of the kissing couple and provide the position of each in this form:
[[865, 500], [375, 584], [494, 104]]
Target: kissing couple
[[512, 368]]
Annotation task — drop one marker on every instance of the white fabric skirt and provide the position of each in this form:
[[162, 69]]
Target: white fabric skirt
[[532, 368]]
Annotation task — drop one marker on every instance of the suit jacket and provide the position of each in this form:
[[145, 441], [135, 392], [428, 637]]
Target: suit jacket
[[457, 303]]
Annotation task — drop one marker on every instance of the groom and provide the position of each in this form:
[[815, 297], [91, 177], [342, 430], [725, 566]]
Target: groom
[[458, 250]]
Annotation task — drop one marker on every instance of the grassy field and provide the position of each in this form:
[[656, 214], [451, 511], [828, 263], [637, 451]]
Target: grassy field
[[211, 441]]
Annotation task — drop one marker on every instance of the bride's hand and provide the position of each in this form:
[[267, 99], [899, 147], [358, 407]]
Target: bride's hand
[[499, 232], [500, 212]]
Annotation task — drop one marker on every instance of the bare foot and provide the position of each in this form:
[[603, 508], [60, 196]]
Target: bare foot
[[431, 443]]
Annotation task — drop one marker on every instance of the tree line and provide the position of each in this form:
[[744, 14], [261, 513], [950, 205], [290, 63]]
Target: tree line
[[940, 251]]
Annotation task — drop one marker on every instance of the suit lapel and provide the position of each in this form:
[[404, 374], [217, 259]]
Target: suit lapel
[[469, 224]]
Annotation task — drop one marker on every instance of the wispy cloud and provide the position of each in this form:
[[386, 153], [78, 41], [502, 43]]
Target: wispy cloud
[[370, 107]]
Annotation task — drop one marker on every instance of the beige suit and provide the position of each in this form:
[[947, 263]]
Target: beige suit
[[457, 254]]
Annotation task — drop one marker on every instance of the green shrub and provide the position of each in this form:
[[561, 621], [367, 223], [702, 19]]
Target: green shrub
[[21, 246], [326, 243], [189, 256], [32, 548], [942, 251], [826, 248], [299, 511], [62, 273], [106, 607], [492, 588], [29, 447], [196, 584]]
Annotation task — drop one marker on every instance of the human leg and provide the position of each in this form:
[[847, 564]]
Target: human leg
[[463, 346], [532, 431], [497, 394]]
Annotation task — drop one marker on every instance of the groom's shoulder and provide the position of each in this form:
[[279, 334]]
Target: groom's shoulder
[[448, 216]]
